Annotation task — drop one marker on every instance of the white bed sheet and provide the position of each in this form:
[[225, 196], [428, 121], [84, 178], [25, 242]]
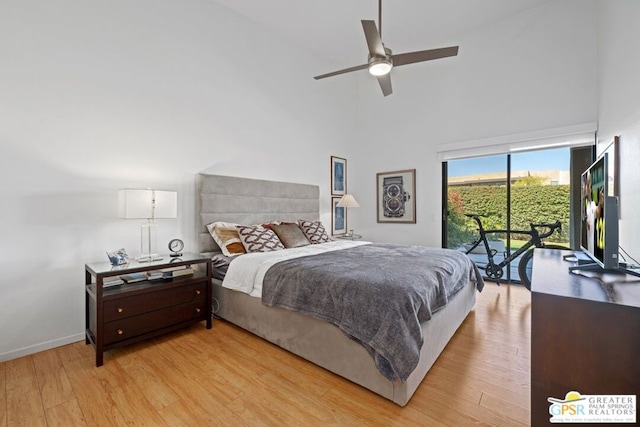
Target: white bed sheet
[[246, 272]]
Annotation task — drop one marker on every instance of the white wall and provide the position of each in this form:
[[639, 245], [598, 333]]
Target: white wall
[[619, 106], [99, 96], [536, 70]]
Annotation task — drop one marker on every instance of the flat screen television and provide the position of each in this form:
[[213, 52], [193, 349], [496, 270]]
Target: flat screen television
[[599, 225]]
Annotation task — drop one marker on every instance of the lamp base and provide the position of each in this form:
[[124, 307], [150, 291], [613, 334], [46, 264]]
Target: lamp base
[[148, 243]]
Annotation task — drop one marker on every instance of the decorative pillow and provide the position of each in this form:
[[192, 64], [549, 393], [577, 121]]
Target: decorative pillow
[[226, 236], [315, 232], [290, 235], [258, 239]]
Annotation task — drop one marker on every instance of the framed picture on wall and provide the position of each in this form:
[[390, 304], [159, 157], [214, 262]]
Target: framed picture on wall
[[338, 176], [396, 196], [338, 217]]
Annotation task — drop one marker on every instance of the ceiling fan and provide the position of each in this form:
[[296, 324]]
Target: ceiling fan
[[382, 60]]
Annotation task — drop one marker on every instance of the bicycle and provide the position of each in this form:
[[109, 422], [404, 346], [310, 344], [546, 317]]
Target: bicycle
[[525, 266]]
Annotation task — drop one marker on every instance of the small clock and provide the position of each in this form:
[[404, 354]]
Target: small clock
[[176, 246]]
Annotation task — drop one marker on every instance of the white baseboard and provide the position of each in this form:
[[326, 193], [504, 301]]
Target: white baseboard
[[48, 345]]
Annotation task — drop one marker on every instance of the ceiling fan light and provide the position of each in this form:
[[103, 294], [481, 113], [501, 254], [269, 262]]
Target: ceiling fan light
[[380, 67]]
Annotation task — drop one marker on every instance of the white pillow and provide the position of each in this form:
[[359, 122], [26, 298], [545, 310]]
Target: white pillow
[[226, 236]]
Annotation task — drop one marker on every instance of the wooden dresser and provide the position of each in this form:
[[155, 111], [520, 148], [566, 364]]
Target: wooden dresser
[[131, 312], [585, 333]]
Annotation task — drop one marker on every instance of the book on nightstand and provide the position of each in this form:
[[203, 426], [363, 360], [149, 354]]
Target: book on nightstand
[[154, 275], [134, 277], [178, 271], [112, 281]]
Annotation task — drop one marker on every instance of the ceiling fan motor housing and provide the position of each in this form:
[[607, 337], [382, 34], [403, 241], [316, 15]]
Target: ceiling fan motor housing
[[388, 54], [378, 65]]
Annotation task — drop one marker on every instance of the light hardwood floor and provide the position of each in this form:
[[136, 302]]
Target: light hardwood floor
[[226, 376]]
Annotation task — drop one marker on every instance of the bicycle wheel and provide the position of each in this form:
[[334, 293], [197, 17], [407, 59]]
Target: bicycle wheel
[[525, 266]]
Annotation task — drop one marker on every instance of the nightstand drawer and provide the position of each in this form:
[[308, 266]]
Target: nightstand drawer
[[132, 327], [122, 308]]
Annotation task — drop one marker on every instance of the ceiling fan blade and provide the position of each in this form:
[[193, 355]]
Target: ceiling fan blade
[[346, 70], [423, 55], [373, 39], [385, 84]]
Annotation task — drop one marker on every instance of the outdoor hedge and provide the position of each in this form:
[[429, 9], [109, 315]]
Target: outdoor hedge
[[531, 203]]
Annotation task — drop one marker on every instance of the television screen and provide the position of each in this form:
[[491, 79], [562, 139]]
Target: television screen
[[599, 232]]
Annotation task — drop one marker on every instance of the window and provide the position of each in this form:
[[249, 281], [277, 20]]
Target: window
[[509, 192]]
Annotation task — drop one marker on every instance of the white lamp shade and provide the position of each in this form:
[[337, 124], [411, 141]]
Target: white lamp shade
[[138, 204], [348, 201], [166, 204]]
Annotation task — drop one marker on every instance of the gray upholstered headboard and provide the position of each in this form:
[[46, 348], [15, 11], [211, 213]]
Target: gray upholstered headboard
[[250, 201]]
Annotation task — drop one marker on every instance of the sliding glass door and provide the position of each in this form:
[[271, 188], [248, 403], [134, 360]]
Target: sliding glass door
[[507, 192]]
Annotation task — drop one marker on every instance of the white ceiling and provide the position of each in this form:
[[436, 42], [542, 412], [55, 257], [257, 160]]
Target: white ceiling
[[331, 29]]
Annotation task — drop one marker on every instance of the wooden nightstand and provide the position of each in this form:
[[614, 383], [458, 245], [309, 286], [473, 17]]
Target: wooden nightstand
[[121, 315]]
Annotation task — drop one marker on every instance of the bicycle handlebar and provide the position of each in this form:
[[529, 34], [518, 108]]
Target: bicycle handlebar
[[551, 226], [476, 217]]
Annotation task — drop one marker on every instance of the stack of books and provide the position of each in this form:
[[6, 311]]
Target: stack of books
[[112, 281], [180, 270], [134, 277], [164, 273], [154, 275]]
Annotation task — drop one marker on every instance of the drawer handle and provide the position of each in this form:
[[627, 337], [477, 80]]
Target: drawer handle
[[120, 332], [120, 309], [198, 292], [197, 310]]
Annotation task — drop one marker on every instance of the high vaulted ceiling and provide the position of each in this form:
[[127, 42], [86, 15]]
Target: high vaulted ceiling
[[331, 29]]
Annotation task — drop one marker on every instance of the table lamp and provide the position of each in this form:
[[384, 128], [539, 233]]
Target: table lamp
[[348, 201], [150, 205]]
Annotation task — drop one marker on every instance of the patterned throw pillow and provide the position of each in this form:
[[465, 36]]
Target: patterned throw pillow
[[226, 236], [258, 239], [314, 230]]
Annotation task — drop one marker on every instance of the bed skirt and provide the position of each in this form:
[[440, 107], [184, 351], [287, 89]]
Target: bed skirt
[[325, 345]]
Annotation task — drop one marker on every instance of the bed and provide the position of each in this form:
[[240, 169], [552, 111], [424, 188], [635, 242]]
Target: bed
[[252, 201]]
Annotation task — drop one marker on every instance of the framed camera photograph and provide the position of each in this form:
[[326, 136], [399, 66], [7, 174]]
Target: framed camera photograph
[[338, 176], [396, 196], [338, 217]]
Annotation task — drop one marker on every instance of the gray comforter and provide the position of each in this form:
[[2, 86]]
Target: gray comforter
[[377, 294]]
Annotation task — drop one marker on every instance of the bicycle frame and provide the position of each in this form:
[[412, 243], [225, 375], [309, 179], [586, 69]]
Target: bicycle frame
[[494, 270], [533, 241]]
